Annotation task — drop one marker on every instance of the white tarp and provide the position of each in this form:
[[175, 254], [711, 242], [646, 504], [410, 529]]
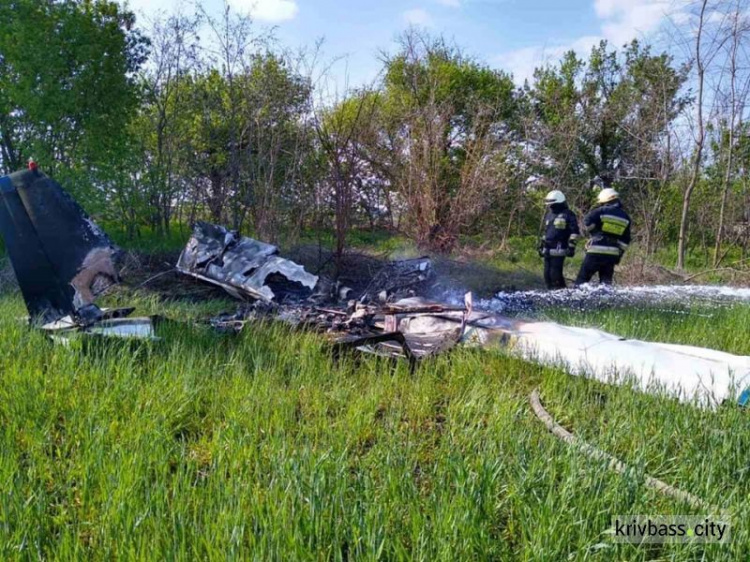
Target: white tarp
[[686, 372], [683, 371]]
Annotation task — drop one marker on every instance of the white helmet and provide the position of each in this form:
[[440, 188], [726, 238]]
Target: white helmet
[[607, 195], [554, 198]]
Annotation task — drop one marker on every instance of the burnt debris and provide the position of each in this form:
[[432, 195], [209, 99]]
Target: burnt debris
[[247, 269], [61, 258], [251, 270], [413, 328], [398, 280], [277, 288]]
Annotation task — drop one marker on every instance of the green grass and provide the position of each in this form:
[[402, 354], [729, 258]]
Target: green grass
[[203, 446], [718, 327]]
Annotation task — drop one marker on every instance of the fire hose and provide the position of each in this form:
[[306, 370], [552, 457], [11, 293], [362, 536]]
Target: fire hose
[[614, 463]]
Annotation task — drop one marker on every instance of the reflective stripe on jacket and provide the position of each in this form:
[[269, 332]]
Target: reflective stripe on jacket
[[609, 227]]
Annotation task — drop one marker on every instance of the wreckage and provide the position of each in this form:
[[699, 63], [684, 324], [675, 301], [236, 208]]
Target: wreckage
[[415, 328], [252, 270], [245, 268], [419, 328], [61, 258]]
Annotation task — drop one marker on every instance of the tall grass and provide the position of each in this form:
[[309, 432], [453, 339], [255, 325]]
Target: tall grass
[[203, 446]]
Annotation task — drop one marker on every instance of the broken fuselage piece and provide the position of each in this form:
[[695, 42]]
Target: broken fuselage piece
[[243, 267], [61, 258]]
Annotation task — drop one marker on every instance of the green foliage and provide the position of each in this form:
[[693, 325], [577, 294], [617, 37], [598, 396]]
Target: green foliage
[[442, 148], [67, 88], [431, 71], [605, 117], [441, 138]]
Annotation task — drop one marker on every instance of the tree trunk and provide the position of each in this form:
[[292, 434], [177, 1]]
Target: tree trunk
[[730, 150], [700, 141]]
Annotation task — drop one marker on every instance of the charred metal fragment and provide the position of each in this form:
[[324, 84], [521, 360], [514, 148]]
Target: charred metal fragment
[[398, 280], [62, 260], [245, 268], [141, 328]]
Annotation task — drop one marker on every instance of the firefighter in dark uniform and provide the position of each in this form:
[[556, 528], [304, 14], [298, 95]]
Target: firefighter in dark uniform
[[609, 228], [559, 240]]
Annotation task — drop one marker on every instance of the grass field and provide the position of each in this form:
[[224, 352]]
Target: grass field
[[203, 446]]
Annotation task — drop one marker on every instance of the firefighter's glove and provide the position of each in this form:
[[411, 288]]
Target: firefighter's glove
[[571, 250], [542, 249]]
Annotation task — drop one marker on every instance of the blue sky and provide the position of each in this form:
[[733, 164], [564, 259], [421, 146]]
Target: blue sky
[[515, 35]]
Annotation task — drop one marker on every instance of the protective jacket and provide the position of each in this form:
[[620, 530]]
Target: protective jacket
[[560, 230], [609, 228]]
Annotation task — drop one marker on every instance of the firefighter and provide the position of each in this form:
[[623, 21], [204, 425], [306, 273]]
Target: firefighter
[[609, 228], [559, 239]]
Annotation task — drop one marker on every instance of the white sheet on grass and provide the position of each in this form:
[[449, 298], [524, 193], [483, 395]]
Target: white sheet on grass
[[684, 371]]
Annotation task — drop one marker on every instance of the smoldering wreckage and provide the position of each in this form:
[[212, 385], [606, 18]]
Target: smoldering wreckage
[[63, 261]]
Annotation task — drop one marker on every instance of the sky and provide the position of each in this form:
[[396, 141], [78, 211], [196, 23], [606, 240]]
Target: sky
[[512, 35]]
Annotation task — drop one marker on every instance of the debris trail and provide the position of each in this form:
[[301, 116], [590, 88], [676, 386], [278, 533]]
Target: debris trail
[[614, 463]]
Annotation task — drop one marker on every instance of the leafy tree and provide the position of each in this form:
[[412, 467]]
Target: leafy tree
[[264, 121], [610, 117], [67, 84], [444, 124]]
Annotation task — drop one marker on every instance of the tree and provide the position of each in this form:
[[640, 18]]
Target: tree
[[162, 123], [276, 141], [67, 84], [444, 127], [731, 118], [707, 43], [609, 117], [648, 164], [340, 133]]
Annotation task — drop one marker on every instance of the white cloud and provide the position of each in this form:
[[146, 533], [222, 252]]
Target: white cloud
[[272, 11], [450, 3], [620, 21], [624, 20], [417, 17], [522, 62]]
